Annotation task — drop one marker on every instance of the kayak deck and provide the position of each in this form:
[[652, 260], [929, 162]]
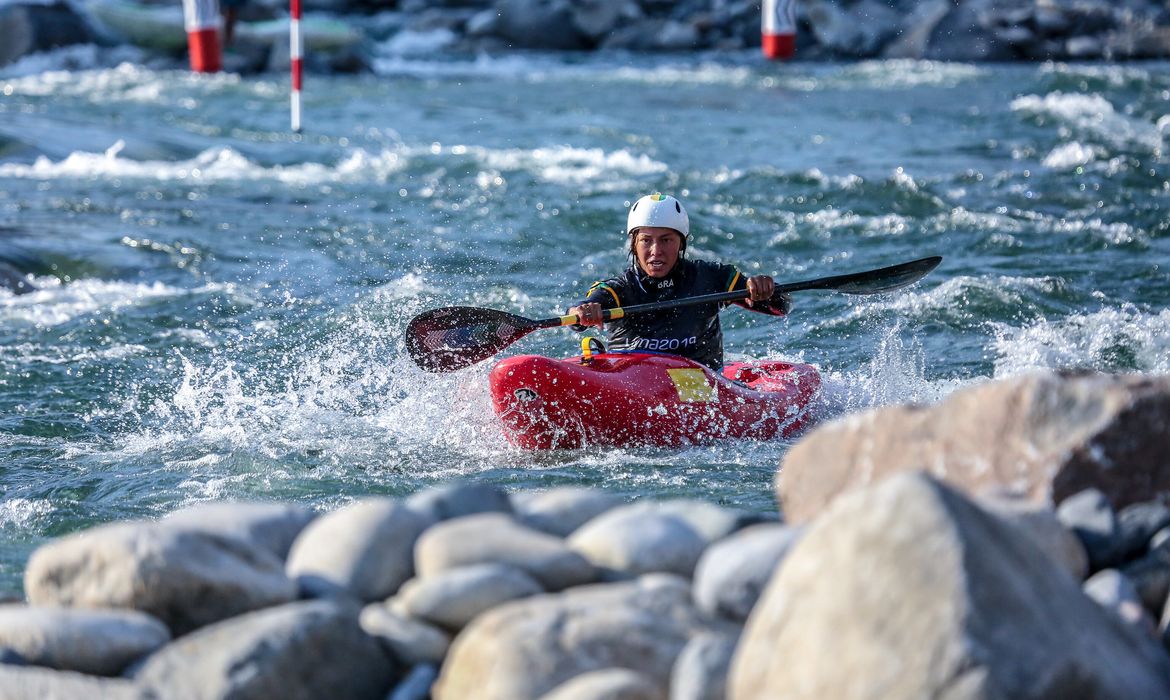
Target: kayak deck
[[648, 399]]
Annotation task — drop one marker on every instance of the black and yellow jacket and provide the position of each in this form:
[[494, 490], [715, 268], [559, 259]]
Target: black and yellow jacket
[[690, 331]]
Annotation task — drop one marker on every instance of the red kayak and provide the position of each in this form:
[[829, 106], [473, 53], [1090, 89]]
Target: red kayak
[[648, 399]]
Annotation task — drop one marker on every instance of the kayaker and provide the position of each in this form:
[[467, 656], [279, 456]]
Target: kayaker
[[658, 228]]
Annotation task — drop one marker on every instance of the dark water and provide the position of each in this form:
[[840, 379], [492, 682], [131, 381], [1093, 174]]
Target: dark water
[[222, 304]]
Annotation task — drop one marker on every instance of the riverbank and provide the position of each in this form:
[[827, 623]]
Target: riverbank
[[1036, 560], [351, 35]]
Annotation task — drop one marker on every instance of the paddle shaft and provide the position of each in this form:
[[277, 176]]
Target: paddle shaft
[[622, 311]]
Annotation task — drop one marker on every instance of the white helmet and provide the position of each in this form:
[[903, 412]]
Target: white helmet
[[658, 210]]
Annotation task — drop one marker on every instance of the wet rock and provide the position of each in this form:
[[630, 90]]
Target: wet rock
[[526, 648], [914, 37], [607, 684], [452, 598], [1137, 525], [914, 589], [456, 500], [732, 573], [861, 29], [539, 24], [652, 34], [95, 642], [185, 578], [1116, 593], [410, 641], [272, 526], [32, 683], [635, 540], [1151, 577], [38, 26], [1044, 436], [960, 36], [495, 537], [700, 672], [596, 18], [364, 550], [562, 510], [1091, 518], [309, 649]]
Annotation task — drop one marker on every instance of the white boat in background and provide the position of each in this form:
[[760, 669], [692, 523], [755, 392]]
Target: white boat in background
[[160, 27]]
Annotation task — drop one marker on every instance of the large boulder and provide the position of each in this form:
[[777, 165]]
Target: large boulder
[[1044, 436], [916, 592], [495, 537], [364, 550], [186, 578], [524, 649], [304, 650], [732, 573], [273, 526], [97, 642]]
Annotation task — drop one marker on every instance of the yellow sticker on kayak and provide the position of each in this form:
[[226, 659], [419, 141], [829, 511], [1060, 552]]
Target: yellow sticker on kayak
[[692, 385]]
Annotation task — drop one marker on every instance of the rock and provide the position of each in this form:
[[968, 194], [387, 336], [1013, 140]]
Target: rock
[[652, 34], [607, 684], [1091, 518], [562, 510], [914, 589], [1151, 577], [1084, 48], [309, 649], [526, 648], [859, 30], [596, 18], [410, 641], [912, 40], [712, 522], [634, 540], [417, 684], [39, 26], [365, 550], [700, 672], [456, 500], [185, 578], [731, 574], [1044, 436], [1137, 525], [494, 537], [1042, 525], [959, 36], [32, 683], [95, 642], [1116, 593], [538, 24], [272, 526], [452, 598]]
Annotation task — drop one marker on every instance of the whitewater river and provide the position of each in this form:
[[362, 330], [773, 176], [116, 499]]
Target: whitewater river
[[221, 304]]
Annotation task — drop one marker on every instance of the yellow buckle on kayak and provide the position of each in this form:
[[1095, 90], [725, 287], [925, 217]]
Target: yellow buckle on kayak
[[692, 385], [587, 348]]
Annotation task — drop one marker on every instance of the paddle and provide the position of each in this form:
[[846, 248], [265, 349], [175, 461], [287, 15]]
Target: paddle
[[451, 338]]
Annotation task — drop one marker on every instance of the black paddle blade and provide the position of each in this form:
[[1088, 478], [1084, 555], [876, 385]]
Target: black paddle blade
[[885, 279], [444, 340]]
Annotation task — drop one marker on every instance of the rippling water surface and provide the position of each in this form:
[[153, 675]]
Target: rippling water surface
[[221, 304]]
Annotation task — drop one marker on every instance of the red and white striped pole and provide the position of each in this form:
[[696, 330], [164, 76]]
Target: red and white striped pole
[[296, 49], [201, 19], [778, 23]]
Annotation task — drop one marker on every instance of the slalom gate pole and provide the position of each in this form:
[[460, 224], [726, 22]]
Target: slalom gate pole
[[778, 28], [201, 20], [296, 51]]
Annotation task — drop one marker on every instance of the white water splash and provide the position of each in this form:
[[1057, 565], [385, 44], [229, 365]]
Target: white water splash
[[55, 303], [1093, 115], [1122, 339]]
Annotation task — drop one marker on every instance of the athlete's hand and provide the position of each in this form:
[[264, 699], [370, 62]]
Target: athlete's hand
[[760, 288], [588, 314]]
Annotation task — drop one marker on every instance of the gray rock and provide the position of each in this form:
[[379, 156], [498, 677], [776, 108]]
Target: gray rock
[[732, 573], [364, 550], [456, 500], [417, 684], [700, 672], [305, 650], [539, 24], [526, 648], [272, 526], [32, 683], [495, 537], [1041, 524], [858, 30], [562, 510], [410, 641], [186, 578], [1091, 518], [1151, 577], [712, 522], [912, 41], [959, 36], [596, 18], [652, 34], [607, 684], [911, 587], [39, 26], [452, 598], [1137, 524], [635, 540], [1117, 594], [95, 642]]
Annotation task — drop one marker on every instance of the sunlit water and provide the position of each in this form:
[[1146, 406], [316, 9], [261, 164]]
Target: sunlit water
[[222, 304]]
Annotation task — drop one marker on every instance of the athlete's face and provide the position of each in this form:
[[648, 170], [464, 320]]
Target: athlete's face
[[657, 249]]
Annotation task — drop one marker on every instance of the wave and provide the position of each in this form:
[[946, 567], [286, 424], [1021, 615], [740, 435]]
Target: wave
[[55, 303], [1093, 116]]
